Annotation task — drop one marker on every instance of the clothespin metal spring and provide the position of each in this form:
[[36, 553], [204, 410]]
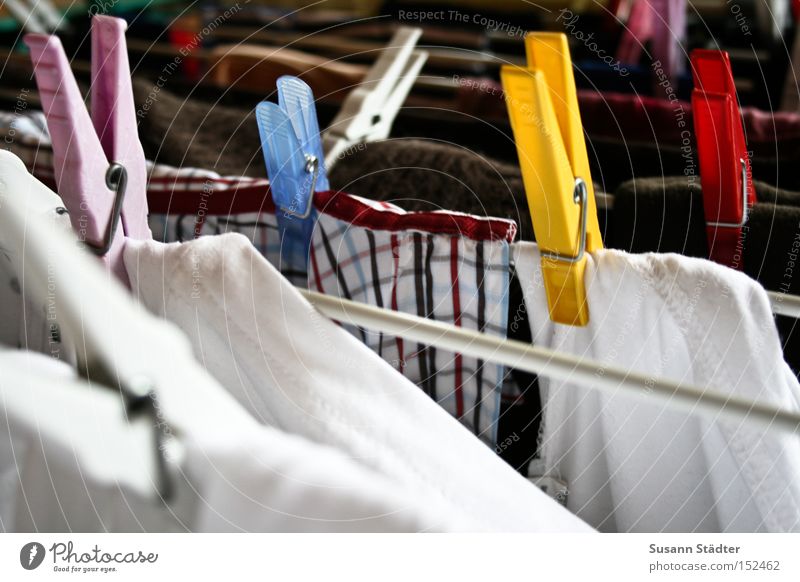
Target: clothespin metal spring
[[745, 206], [580, 195], [312, 167], [143, 400], [117, 181]]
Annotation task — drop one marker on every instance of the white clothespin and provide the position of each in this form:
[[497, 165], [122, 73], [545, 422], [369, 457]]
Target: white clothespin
[[27, 18], [51, 15], [36, 16], [369, 110]]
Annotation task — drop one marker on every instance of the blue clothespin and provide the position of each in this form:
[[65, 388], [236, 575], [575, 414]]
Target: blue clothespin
[[295, 165]]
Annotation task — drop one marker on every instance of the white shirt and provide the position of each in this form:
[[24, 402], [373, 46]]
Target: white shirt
[[27, 322], [630, 466], [74, 463], [296, 370]]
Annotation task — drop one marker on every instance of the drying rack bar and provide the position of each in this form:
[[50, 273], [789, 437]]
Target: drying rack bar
[[557, 365]]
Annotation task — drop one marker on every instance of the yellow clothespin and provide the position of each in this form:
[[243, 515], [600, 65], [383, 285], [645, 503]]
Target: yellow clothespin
[[543, 108]]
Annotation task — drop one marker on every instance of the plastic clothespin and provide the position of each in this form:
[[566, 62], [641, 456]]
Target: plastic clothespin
[[27, 16], [99, 162], [49, 14], [369, 110], [543, 108], [36, 16], [295, 164], [724, 163]]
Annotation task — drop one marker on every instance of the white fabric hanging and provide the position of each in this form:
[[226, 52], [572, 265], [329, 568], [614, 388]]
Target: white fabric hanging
[[74, 463], [296, 370], [630, 466], [77, 458], [27, 321]]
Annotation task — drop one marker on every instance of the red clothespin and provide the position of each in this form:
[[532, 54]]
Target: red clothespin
[[99, 162], [725, 174]]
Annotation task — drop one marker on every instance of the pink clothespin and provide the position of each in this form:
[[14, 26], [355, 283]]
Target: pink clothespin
[[663, 23], [724, 163], [99, 162]]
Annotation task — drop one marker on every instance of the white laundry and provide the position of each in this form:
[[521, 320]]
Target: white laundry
[[27, 322], [296, 370], [75, 464], [76, 457], [632, 466]]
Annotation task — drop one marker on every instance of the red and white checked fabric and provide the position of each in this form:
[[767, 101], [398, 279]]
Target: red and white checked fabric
[[447, 266]]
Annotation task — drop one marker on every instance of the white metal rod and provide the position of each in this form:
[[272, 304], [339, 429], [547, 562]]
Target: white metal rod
[[554, 364], [784, 304]]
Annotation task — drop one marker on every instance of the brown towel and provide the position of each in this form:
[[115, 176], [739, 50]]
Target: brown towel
[[427, 175], [188, 132]]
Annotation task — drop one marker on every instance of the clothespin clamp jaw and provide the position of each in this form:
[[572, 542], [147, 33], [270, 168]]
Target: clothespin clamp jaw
[[292, 147], [99, 162], [725, 174], [116, 181], [369, 110], [543, 108]]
